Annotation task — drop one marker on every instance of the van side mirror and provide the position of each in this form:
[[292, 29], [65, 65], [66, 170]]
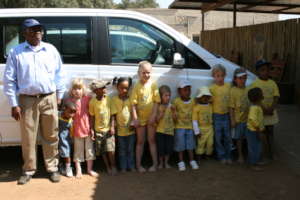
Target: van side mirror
[[178, 60]]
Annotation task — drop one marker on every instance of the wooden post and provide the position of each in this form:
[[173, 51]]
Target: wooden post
[[234, 14], [203, 21]]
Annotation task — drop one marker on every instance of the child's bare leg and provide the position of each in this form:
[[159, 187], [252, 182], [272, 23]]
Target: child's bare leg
[[90, 170], [78, 169], [191, 154], [140, 147], [105, 159], [167, 162], [161, 162], [152, 146], [111, 157], [180, 156], [240, 150]]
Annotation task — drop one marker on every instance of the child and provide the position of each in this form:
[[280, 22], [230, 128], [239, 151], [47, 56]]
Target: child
[[145, 99], [165, 129], [121, 118], [239, 109], [65, 123], [99, 109], [203, 123], [184, 138], [220, 92], [83, 137], [255, 127], [271, 95]]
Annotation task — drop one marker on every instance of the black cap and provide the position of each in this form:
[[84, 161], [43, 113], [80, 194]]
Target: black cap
[[31, 23], [260, 63]]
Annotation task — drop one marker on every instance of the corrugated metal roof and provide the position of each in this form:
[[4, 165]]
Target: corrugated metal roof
[[260, 6]]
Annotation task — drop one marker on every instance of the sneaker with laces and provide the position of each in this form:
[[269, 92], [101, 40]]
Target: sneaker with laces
[[194, 165], [69, 172], [181, 166]]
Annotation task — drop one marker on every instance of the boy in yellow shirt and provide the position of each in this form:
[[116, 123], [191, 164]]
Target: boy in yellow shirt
[[184, 138], [271, 96], [145, 99], [203, 123], [220, 94], [255, 127], [99, 109]]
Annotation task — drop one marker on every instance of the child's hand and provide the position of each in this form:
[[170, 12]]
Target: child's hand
[[135, 123], [112, 131], [152, 120], [199, 135], [233, 124], [92, 134]]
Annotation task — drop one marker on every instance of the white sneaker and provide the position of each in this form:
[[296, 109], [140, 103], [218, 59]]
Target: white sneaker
[[194, 165], [69, 172], [181, 166]]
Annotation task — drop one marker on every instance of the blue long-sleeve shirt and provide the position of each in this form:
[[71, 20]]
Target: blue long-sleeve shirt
[[33, 70]]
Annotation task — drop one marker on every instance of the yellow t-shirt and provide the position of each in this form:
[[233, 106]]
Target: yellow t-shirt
[[203, 114], [122, 109], [101, 111], [143, 96], [240, 103], [220, 98], [255, 118], [166, 124], [269, 89], [184, 113]]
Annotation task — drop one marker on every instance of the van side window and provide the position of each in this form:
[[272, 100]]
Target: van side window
[[72, 40], [132, 41], [194, 62], [11, 38]]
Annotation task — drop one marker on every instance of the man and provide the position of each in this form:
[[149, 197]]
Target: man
[[34, 84]]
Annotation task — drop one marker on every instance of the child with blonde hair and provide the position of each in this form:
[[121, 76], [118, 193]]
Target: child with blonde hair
[[184, 138], [203, 123], [99, 109], [83, 136], [121, 119], [145, 99], [165, 128], [220, 101], [239, 107]]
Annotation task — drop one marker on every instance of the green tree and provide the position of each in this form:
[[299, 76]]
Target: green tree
[[125, 4]]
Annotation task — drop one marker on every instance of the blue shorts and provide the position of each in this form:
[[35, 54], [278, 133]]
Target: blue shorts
[[184, 139], [240, 131]]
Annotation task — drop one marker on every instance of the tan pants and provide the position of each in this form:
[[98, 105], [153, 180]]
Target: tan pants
[[39, 113]]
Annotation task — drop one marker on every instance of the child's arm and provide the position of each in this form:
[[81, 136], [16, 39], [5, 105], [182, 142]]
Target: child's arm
[[232, 117], [161, 113], [196, 128], [113, 125], [135, 120], [153, 114], [92, 126]]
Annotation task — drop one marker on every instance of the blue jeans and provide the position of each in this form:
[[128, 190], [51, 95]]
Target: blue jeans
[[126, 151], [254, 146], [223, 141]]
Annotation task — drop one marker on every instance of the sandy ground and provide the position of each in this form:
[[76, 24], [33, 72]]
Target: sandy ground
[[280, 180]]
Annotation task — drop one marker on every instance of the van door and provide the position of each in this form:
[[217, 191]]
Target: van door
[[131, 41], [72, 36]]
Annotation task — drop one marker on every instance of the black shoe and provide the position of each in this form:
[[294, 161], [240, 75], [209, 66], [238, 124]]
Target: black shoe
[[25, 178], [55, 177]]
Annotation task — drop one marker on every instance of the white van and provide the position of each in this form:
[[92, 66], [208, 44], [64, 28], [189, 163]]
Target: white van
[[96, 43]]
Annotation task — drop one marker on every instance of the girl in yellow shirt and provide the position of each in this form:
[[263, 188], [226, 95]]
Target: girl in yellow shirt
[[239, 106], [145, 99], [121, 118], [165, 128]]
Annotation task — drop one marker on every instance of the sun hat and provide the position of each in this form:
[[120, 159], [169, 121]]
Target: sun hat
[[95, 84], [184, 83], [203, 91]]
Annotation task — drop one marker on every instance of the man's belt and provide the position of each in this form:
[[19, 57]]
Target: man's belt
[[37, 95]]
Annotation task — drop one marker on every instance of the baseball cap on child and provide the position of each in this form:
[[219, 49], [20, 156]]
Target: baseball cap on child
[[31, 23], [98, 84], [260, 63], [184, 83], [202, 92]]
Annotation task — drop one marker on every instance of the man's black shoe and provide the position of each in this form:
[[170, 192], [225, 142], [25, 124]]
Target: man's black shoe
[[25, 178], [55, 177]]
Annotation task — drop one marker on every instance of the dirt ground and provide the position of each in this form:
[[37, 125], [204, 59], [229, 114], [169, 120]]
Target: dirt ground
[[280, 180]]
